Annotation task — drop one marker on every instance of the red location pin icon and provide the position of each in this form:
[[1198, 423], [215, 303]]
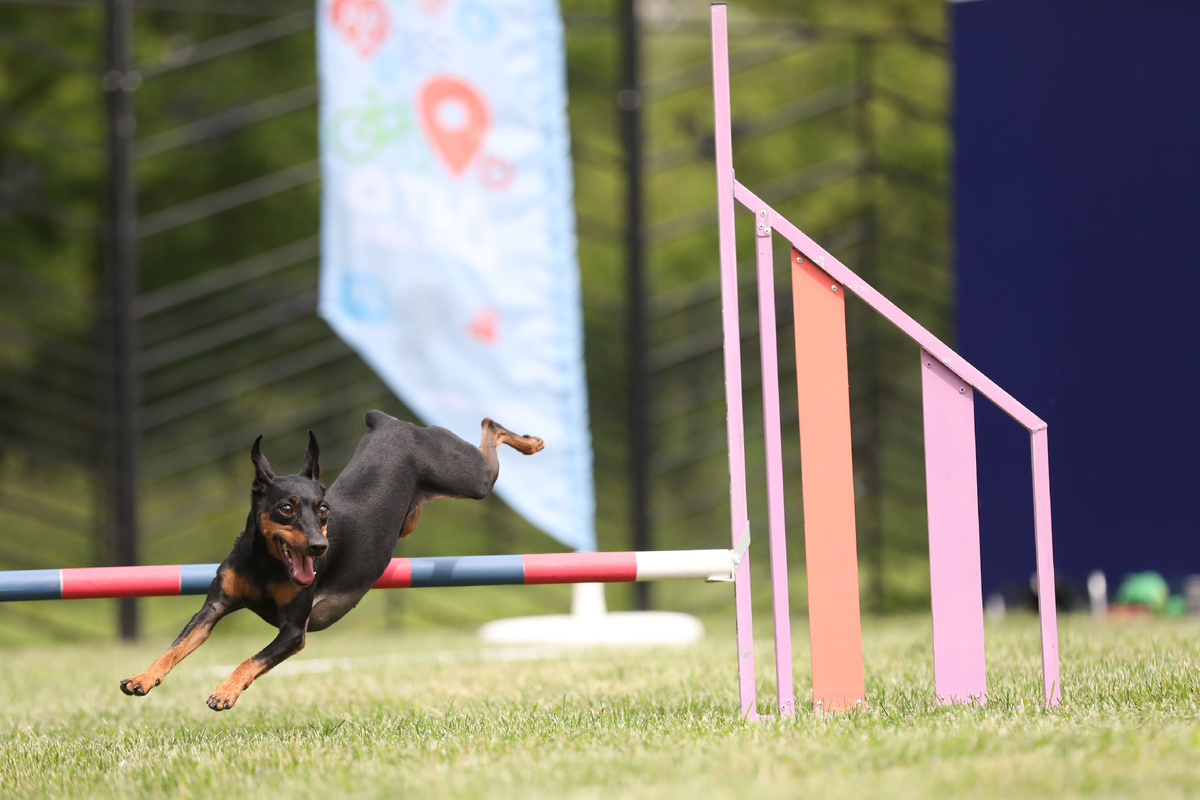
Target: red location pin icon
[[454, 118]]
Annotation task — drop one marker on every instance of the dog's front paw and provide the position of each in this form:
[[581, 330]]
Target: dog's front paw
[[140, 685], [223, 698]]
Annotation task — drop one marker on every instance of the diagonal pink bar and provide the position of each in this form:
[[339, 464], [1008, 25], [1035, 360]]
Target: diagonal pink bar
[[734, 425], [1047, 604], [959, 672], [841, 273], [776, 522]]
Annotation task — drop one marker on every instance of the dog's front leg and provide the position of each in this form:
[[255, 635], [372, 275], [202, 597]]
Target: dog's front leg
[[290, 641], [194, 634]]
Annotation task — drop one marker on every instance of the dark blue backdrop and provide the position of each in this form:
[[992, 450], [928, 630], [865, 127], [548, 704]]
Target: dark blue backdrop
[[1077, 201]]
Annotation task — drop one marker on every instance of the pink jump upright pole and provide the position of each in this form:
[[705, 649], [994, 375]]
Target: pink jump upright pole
[[735, 428], [1047, 603], [776, 522]]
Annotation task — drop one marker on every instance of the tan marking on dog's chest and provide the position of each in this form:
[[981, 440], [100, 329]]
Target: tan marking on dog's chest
[[283, 593], [237, 587]]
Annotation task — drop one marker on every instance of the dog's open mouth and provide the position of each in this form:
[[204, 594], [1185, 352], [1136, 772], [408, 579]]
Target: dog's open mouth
[[300, 566]]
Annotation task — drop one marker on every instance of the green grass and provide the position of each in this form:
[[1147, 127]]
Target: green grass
[[432, 715]]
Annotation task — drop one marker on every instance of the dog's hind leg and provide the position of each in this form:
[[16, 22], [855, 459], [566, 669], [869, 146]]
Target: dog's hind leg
[[492, 436], [495, 434], [410, 522], [452, 467]]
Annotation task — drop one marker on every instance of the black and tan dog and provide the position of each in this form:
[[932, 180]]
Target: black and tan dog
[[308, 556]]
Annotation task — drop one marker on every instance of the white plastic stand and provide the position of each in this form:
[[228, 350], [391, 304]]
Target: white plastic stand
[[590, 623]]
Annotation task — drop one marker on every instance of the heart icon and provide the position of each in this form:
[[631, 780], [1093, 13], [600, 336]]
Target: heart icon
[[363, 23]]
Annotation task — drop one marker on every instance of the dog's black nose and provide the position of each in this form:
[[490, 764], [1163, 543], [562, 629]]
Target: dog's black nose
[[318, 548]]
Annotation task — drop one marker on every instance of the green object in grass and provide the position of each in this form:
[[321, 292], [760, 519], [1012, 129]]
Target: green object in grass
[[1144, 589]]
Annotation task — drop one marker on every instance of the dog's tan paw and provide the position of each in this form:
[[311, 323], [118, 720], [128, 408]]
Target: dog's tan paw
[[527, 445], [140, 685], [223, 698]]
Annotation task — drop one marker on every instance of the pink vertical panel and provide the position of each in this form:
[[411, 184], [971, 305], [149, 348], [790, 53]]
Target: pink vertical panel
[[959, 672], [776, 522], [731, 327], [1047, 606], [827, 483]]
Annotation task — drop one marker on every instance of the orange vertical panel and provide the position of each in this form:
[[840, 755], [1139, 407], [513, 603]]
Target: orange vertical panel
[[831, 553]]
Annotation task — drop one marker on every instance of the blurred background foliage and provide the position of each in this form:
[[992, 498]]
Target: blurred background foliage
[[840, 121]]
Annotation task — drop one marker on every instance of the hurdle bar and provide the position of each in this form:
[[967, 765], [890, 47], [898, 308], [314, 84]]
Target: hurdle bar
[[91, 583], [819, 285]]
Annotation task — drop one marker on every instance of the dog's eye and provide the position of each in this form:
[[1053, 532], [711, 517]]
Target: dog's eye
[[286, 509], [323, 510]]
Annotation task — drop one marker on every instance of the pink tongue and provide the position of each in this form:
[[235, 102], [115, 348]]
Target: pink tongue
[[302, 568]]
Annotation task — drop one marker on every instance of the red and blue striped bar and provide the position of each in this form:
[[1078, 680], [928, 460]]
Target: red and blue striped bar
[[401, 573]]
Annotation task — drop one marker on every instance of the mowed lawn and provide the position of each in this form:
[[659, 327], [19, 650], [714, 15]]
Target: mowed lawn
[[435, 715]]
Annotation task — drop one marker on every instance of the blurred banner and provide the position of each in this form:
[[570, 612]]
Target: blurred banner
[[448, 233]]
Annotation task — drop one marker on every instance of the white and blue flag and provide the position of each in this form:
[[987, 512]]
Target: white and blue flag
[[448, 233]]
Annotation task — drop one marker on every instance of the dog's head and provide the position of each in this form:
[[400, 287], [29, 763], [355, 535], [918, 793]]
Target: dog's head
[[291, 512]]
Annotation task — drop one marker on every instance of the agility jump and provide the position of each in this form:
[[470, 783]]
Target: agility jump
[[819, 285], [91, 583]]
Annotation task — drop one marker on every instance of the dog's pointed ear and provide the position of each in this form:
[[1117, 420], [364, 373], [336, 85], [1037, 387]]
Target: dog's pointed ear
[[263, 476], [312, 459]]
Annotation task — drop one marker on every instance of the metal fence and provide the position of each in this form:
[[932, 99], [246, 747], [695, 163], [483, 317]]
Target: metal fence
[[158, 214]]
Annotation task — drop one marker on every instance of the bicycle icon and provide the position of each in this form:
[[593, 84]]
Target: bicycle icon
[[360, 133]]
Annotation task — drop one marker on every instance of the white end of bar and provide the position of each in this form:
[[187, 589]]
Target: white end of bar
[[673, 565]]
